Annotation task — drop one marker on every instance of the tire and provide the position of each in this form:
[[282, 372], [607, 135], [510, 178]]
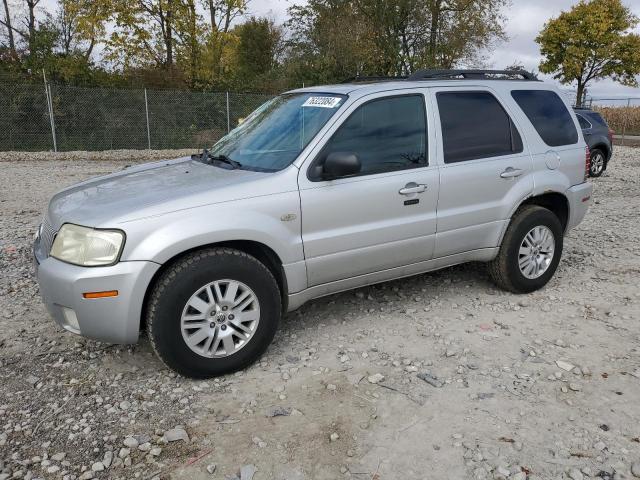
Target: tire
[[174, 314], [598, 163], [505, 269]]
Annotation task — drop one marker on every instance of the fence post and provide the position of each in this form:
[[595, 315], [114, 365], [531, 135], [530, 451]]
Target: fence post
[[624, 124], [47, 92], [228, 115], [146, 109]]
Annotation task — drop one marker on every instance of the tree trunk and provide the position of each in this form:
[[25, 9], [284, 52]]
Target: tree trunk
[[580, 93], [212, 16], [169, 33], [436, 11], [12, 43], [31, 4]]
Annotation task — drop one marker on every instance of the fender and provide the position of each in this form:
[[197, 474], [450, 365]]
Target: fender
[[275, 223]]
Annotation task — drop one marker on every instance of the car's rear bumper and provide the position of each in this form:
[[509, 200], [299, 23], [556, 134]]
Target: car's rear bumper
[[579, 197], [113, 319]]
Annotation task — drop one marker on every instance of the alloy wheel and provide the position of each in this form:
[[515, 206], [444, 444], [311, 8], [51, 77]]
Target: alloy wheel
[[220, 318], [597, 163], [536, 252]]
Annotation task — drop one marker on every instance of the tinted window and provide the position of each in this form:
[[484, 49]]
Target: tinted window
[[386, 134], [474, 125], [595, 117], [549, 115], [583, 123]]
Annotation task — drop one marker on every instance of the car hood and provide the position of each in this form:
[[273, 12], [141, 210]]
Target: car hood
[[147, 190]]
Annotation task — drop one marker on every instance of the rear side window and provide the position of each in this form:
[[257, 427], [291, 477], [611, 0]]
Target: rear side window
[[474, 126], [549, 116], [583, 122]]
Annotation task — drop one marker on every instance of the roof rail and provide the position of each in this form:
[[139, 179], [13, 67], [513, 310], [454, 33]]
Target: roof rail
[[472, 74], [364, 79]]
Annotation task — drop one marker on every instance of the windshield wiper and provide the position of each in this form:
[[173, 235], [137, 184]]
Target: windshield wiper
[[206, 157]]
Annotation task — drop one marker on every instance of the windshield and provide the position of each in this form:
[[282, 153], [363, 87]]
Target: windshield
[[274, 135]]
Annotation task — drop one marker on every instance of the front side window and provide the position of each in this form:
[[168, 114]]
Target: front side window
[[475, 126], [549, 116], [273, 136], [386, 134]]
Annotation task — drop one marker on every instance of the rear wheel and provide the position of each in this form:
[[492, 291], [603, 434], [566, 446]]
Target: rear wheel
[[598, 163], [530, 251], [213, 312]]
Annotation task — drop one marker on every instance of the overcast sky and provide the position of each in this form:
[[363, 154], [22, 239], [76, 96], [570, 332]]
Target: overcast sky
[[525, 18]]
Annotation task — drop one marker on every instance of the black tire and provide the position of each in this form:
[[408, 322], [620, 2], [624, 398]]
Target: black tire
[[180, 281], [504, 269], [597, 169]]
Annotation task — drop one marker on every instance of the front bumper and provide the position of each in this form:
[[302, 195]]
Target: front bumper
[[579, 197], [112, 319]]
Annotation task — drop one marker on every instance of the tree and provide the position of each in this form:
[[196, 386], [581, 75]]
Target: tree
[[144, 32], [82, 24], [222, 13], [391, 37], [7, 23], [329, 41], [258, 46], [591, 41]]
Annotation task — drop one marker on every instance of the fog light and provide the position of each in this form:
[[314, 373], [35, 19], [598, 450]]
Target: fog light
[[70, 320]]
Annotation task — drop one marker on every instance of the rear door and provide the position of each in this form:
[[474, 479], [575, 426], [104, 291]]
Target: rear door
[[485, 169]]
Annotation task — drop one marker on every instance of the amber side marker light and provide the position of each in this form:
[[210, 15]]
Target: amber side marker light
[[108, 293]]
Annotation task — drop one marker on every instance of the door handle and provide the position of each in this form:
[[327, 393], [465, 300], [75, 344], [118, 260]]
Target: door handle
[[412, 187], [511, 172]]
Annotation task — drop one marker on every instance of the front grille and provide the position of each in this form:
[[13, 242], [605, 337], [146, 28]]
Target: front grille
[[46, 235]]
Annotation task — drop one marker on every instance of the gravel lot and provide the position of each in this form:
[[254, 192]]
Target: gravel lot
[[440, 376]]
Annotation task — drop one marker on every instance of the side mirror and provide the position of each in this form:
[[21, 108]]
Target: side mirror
[[340, 164]]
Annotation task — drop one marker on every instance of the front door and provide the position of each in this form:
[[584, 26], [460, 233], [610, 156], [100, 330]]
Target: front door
[[384, 216]]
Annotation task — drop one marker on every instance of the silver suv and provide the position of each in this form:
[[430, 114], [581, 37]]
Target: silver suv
[[319, 190]]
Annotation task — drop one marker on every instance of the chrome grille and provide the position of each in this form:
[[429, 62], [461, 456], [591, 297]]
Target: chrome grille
[[46, 235]]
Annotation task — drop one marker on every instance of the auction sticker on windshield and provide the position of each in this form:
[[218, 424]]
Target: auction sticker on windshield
[[322, 102]]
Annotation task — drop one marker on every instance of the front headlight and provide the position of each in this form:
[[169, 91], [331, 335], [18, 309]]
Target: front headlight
[[86, 246]]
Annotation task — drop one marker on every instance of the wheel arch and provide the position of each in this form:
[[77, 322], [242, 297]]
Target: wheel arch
[[554, 201], [557, 202], [263, 253]]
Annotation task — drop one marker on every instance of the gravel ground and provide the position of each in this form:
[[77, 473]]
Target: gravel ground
[[440, 376]]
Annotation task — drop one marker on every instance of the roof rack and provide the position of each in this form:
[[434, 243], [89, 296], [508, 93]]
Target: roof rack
[[365, 79], [472, 74]]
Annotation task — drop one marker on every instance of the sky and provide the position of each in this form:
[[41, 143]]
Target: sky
[[524, 19]]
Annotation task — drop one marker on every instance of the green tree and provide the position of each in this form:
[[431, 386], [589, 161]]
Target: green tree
[[391, 37], [591, 41], [258, 46]]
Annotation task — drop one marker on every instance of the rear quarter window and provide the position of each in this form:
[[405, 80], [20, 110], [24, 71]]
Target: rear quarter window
[[595, 117], [549, 116]]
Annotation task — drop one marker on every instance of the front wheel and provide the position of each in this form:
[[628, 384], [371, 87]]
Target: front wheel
[[213, 312], [530, 250]]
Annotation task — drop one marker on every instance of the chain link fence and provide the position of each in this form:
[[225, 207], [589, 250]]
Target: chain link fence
[[622, 115], [63, 118]]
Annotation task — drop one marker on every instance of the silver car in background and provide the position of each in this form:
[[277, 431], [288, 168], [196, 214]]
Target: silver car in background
[[319, 190]]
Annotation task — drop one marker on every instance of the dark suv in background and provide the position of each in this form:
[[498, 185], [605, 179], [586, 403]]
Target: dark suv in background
[[598, 136]]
